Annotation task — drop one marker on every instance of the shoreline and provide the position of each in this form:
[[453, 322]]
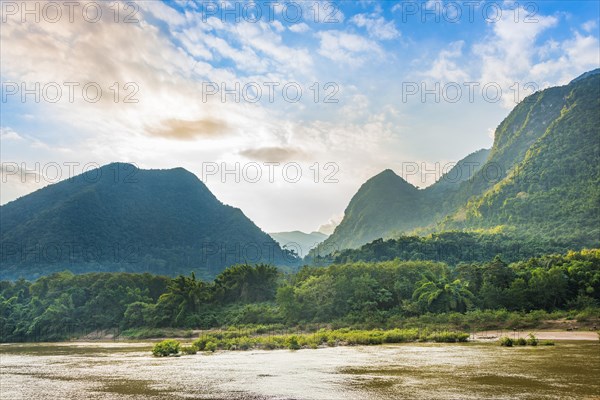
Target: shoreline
[[493, 335]]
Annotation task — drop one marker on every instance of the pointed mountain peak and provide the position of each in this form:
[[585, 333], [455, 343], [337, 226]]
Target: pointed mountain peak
[[388, 177]]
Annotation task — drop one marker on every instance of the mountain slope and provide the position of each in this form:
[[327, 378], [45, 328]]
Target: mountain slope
[[121, 218], [540, 178], [555, 189]]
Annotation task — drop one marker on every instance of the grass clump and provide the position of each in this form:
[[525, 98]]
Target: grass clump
[[532, 340], [166, 348], [229, 340], [189, 349]]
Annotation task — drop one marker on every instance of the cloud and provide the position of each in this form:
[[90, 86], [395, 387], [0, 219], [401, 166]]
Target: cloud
[[347, 47], [299, 28], [589, 26], [7, 133], [575, 56], [446, 67], [376, 26], [274, 154], [162, 11], [254, 47], [511, 48], [512, 54], [328, 227], [189, 129], [278, 26]]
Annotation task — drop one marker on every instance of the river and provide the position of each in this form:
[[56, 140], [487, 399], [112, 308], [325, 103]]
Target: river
[[406, 371]]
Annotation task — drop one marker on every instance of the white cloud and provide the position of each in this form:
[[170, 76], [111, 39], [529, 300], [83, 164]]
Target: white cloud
[[278, 26], [7, 133], [347, 47], [576, 55], [590, 26], [163, 12], [509, 53], [299, 28], [446, 67], [328, 227], [376, 26]]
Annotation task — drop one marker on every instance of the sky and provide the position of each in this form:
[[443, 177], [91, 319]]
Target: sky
[[282, 109]]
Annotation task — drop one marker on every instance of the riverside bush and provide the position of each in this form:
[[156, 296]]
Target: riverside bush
[[532, 340], [189, 349], [166, 348], [228, 341]]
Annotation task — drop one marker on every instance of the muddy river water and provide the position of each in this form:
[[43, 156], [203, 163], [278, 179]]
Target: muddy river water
[[406, 371]]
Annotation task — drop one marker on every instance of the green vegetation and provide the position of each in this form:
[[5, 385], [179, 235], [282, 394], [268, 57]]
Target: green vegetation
[[257, 300], [539, 182], [189, 349], [230, 340], [166, 348], [530, 340], [119, 218], [553, 189], [451, 248]]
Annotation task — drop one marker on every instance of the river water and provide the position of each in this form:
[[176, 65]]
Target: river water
[[405, 371]]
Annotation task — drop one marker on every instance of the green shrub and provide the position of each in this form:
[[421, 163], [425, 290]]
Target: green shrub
[[269, 344], [521, 342], [244, 344], [189, 349], [166, 348], [532, 340], [400, 336], [200, 343], [447, 337], [210, 346], [506, 341], [292, 343]]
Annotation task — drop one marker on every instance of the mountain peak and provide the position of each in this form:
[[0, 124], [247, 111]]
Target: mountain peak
[[170, 219], [586, 75], [388, 177]]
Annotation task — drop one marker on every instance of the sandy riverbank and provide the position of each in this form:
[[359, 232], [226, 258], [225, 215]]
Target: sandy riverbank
[[540, 334]]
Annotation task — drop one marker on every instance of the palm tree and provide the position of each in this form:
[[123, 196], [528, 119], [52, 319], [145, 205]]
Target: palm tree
[[184, 297], [442, 295]]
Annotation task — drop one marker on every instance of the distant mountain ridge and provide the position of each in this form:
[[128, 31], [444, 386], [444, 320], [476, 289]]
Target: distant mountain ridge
[[387, 204], [301, 243], [541, 177], [121, 218]]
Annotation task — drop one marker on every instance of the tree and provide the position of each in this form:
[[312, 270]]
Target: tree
[[183, 299], [442, 295]]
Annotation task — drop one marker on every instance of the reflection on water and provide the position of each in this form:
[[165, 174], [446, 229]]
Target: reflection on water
[[412, 371]]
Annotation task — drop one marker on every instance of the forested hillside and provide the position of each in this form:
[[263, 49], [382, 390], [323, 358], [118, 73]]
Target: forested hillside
[[540, 180], [121, 218]]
